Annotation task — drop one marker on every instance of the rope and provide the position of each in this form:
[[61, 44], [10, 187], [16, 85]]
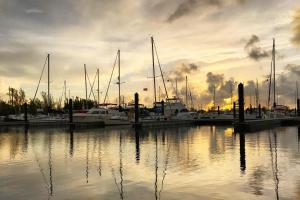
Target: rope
[[90, 86], [110, 78], [161, 70], [40, 79]]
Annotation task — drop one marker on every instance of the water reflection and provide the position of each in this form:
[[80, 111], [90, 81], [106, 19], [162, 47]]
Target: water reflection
[[71, 142], [274, 163], [174, 163], [137, 145], [50, 163], [242, 152]]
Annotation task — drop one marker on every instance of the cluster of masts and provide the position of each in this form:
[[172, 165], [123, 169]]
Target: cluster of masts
[[155, 58], [117, 62]]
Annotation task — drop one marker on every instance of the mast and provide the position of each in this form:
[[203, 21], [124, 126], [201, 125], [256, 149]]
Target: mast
[[186, 91], [153, 66], [49, 83], [297, 93], [119, 79], [231, 93], [270, 84], [65, 87], [85, 86], [98, 86], [176, 88], [250, 98], [274, 72], [257, 94], [214, 97], [159, 92]]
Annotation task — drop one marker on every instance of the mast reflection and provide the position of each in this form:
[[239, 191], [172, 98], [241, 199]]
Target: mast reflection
[[274, 163], [156, 167], [50, 162], [87, 158]]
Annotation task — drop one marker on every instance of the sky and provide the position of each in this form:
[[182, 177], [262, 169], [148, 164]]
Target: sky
[[213, 42]]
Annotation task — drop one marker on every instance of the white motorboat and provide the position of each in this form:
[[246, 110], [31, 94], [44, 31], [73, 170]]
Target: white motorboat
[[101, 114]]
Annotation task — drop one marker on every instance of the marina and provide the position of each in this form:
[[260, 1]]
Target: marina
[[142, 100]]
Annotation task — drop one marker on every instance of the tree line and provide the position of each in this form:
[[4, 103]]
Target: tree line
[[17, 98]]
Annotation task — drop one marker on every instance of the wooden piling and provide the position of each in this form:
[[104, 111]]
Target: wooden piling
[[25, 113], [241, 102], [259, 111], [162, 108], [136, 108], [298, 107], [218, 110], [70, 111], [234, 111]]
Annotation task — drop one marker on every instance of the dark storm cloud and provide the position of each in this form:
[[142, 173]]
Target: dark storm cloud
[[188, 6], [253, 49], [296, 28]]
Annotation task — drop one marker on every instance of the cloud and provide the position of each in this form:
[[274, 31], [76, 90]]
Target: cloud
[[286, 84], [253, 49], [296, 28], [214, 81], [188, 6], [183, 69], [33, 11]]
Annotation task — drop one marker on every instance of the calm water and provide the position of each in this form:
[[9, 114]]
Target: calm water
[[174, 163]]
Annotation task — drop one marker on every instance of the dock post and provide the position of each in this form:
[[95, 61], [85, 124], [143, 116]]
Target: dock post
[[136, 108], [70, 111], [259, 111], [162, 107], [218, 110], [25, 113], [241, 102], [298, 107], [234, 111]]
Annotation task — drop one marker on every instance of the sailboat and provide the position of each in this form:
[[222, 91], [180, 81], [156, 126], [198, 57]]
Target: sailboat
[[102, 112], [276, 110], [41, 117], [174, 109]]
